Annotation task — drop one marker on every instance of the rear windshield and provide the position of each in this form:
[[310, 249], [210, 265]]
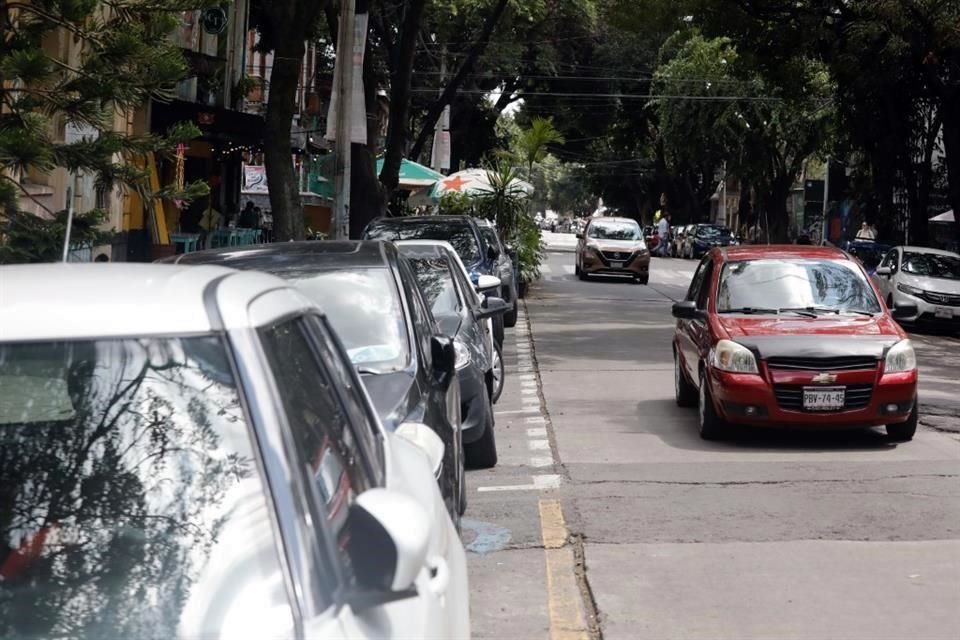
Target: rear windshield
[[132, 501], [792, 284], [615, 231], [713, 232], [458, 234], [364, 307], [932, 265]]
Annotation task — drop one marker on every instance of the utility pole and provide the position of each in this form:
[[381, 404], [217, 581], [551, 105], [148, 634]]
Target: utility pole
[[341, 179], [826, 202]]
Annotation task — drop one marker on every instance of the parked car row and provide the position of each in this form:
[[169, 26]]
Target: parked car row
[[269, 441], [692, 241]]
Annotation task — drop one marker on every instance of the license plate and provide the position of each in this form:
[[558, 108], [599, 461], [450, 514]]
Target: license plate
[[616, 265], [943, 312], [824, 398]]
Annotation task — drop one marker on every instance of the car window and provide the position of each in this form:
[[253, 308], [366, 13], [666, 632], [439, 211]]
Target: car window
[[710, 231], [346, 381], [610, 230], [424, 326], [697, 279], [458, 234], [436, 282], [890, 260], [703, 295], [364, 307], [795, 283], [931, 265], [132, 498], [490, 237], [326, 446]]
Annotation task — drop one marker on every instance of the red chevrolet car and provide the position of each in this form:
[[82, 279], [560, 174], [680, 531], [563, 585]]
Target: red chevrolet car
[[792, 336]]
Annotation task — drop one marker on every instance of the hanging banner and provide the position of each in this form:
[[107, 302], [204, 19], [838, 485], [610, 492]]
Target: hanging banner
[[440, 155], [358, 110], [254, 179]]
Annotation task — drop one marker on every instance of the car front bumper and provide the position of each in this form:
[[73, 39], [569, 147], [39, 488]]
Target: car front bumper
[[637, 264], [927, 312], [754, 400], [474, 403]]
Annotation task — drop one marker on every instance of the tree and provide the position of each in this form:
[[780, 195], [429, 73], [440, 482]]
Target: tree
[[283, 27], [126, 60], [532, 144]]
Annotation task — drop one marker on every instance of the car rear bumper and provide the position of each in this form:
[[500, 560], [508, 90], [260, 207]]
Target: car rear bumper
[[751, 400]]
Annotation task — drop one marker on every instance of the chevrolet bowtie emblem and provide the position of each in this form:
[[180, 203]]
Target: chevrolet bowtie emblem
[[824, 378]]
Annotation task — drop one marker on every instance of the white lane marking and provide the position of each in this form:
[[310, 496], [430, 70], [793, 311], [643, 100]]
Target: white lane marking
[[541, 461], [545, 268], [525, 410], [539, 445], [535, 420], [540, 483], [568, 269], [537, 432]]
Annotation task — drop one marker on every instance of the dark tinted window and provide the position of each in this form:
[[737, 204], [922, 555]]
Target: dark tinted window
[[710, 231], [364, 307], [706, 282], [697, 279], [458, 234], [490, 237], [932, 265], [131, 498], [328, 447], [788, 284], [424, 326], [436, 283]]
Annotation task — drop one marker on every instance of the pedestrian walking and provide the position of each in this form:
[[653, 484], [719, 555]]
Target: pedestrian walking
[[663, 230]]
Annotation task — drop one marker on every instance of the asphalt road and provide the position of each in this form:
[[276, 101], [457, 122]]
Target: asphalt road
[[609, 517]]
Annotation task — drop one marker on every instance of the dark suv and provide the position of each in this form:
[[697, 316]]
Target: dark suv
[[479, 254]]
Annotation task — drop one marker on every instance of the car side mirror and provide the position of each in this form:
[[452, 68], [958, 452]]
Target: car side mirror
[[492, 306], [884, 271], [579, 235], [427, 440], [487, 283], [389, 542], [902, 311], [444, 361], [686, 310], [492, 252]]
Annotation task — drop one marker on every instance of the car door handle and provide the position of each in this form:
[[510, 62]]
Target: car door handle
[[439, 576]]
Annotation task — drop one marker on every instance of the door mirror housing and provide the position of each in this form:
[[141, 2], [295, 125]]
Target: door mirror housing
[[687, 310], [902, 311], [444, 361], [884, 271], [427, 440], [389, 542], [487, 283], [579, 235], [492, 306]]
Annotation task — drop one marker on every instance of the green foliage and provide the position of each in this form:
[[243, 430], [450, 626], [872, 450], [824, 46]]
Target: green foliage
[[27, 238], [126, 60]]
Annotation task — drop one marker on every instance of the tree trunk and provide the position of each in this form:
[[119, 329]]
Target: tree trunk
[[776, 209], [950, 108], [277, 149], [400, 94], [436, 109]]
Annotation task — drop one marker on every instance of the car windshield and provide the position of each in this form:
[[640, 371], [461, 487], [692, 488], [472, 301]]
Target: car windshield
[[132, 501], [458, 234], [364, 307], [931, 265], [615, 231], [436, 282], [795, 284], [707, 231]]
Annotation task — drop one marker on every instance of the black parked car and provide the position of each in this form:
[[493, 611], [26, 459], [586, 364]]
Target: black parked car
[[480, 256], [462, 315], [371, 297]]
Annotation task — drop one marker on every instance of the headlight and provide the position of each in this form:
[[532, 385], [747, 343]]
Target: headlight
[[463, 354], [913, 291], [900, 358], [733, 357]]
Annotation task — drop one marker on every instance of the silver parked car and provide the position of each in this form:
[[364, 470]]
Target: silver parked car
[[186, 452]]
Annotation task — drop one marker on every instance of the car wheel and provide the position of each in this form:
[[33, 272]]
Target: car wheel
[[582, 274], [496, 375], [711, 425], [576, 268], [684, 392], [462, 503], [904, 431], [510, 317], [482, 454]]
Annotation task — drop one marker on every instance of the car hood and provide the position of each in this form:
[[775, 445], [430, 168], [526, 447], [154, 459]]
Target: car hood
[[813, 337], [393, 396], [939, 285]]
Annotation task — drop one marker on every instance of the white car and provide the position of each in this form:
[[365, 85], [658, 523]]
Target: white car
[[928, 279], [188, 453]]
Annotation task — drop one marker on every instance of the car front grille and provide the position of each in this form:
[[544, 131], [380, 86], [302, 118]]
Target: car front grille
[[620, 256], [946, 299], [839, 363], [790, 396]]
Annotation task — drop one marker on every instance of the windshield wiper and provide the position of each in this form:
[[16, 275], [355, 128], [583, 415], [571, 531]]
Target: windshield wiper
[[750, 310], [815, 311]]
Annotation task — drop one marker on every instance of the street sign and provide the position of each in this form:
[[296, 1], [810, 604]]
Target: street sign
[[214, 20]]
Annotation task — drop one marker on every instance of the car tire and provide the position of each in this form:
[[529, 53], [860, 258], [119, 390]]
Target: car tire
[[510, 317], [582, 274], [641, 279], [904, 431], [684, 392], [712, 426], [498, 331], [462, 503], [576, 268], [482, 454], [497, 372]]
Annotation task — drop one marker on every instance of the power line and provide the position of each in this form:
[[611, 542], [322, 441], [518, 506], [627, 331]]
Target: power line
[[621, 96]]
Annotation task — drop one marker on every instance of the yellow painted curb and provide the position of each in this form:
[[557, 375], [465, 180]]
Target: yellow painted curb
[[567, 621]]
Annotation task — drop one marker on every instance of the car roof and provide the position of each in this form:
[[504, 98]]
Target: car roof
[[779, 251], [100, 300], [309, 255], [939, 252]]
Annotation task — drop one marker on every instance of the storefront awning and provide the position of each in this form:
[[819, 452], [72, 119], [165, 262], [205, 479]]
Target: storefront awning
[[215, 123]]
